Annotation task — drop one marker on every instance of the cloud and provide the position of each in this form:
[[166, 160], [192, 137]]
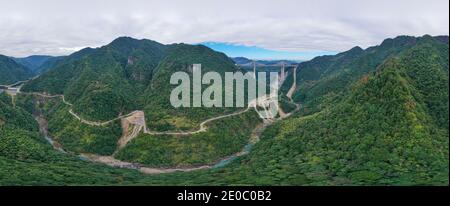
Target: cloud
[[254, 52], [59, 27]]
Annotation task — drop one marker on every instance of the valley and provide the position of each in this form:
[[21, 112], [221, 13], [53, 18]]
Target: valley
[[136, 123]]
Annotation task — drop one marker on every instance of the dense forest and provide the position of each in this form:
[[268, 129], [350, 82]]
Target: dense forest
[[375, 116], [12, 72], [36, 63], [223, 138], [128, 75]]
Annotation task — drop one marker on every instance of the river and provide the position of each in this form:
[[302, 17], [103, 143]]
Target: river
[[111, 161]]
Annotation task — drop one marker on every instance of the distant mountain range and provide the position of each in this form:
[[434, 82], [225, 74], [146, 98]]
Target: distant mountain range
[[245, 62], [34, 62], [374, 116], [11, 71], [126, 75]]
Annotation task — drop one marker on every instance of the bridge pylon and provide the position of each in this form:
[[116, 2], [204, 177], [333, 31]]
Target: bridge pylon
[[254, 69]]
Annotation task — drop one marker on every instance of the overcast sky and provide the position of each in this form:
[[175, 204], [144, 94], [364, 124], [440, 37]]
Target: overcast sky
[[59, 27]]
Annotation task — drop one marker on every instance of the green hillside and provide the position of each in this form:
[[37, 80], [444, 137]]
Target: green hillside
[[11, 71], [103, 82], [323, 80], [128, 75], [377, 116], [379, 134], [224, 138], [35, 62], [159, 112]]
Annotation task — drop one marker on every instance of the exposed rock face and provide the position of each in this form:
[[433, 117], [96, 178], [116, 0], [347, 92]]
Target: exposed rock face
[[130, 60], [132, 126]]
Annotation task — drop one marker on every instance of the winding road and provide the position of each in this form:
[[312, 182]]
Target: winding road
[[254, 138], [202, 127]]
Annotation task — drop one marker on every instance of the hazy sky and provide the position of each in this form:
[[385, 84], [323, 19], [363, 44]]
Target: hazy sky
[[59, 27], [254, 52]]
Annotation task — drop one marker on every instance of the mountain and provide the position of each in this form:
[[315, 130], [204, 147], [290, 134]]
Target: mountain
[[34, 62], [242, 61], [375, 116], [180, 57], [25, 154], [107, 80], [12, 72], [276, 62], [443, 39], [127, 75], [56, 61], [387, 129], [19, 137], [322, 80]]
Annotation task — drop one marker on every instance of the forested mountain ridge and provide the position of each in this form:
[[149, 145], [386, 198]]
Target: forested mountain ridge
[[19, 137], [11, 71], [180, 57], [127, 75], [384, 131], [386, 125], [34, 62], [381, 133], [245, 62], [142, 70], [321, 80], [61, 60], [105, 81]]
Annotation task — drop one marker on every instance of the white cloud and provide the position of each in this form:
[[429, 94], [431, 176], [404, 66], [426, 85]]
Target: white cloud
[[57, 27]]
